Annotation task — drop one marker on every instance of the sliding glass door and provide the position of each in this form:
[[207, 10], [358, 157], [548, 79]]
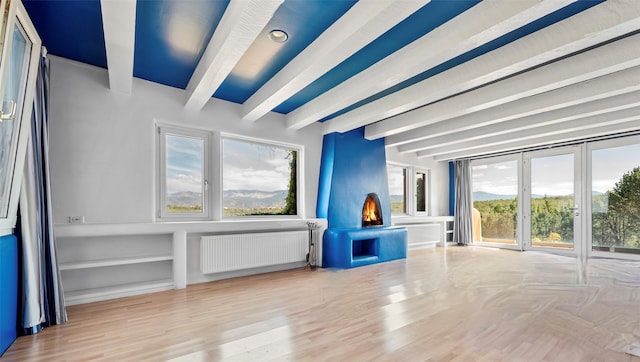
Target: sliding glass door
[[552, 195], [582, 199]]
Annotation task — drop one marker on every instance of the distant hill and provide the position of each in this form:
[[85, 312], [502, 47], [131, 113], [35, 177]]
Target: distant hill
[[245, 199], [486, 196], [254, 199], [185, 198]]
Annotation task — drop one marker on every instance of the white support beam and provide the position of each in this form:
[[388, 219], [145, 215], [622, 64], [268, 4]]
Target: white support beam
[[545, 140], [588, 28], [552, 130], [481, 24], [119, 26], [242, 22], [363, 23], [617, 84], [474, 131], [606, 59]]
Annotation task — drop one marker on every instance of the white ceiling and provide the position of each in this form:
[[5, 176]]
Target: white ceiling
[[575, 79]]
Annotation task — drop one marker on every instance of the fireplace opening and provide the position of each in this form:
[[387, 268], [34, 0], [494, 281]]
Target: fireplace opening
[[371, 211]]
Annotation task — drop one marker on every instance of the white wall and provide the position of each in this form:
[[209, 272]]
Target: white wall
[[439, 177], [102, 144], [103, 159]]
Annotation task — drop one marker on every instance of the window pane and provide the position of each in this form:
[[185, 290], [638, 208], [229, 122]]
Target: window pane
[[421, 192], [184, 169], [258, 179], [495, 205], [397, 177], [552, 201], [615, 199]]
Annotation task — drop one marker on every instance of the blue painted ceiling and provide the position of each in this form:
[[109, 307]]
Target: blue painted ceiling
[[171, 36]]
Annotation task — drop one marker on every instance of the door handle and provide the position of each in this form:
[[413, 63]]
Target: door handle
[[11, 115]]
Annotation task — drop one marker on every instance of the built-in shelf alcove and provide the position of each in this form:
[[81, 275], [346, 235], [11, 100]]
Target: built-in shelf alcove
[[364, 249]]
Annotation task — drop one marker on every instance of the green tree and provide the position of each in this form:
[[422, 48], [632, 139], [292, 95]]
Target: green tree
[[623, 218], [420, 195], [291, 203]]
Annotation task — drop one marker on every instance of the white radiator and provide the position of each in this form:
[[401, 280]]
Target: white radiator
[[422, 235], [220, 253]]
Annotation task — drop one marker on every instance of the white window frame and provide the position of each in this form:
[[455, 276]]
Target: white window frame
[[300, 192], [18, 13], [162, 130]]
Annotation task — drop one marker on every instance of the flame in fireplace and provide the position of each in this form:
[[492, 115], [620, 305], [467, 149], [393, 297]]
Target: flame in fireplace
[[371, 212]]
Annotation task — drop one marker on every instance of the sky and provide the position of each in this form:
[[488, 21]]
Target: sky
[[247, 166], [496, 178], [610, 164], [184, 164], [253, 166], [553, 175]]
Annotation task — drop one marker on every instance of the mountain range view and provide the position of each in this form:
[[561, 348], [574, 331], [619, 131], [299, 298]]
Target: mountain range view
[[234, 199], [257, 199]]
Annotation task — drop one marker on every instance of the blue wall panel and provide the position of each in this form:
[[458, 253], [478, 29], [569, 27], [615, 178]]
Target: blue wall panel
[[8, 290]]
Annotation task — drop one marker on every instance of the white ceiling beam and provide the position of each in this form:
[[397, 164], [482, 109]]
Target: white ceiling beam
[[606, 59], [363, 23], [482, 23], [480, 130], [544, 140], [552, 130], [119, 26], [617, 84], [593, 26], [242, 22]]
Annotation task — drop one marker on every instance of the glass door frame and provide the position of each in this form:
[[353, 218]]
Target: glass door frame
[[588, 176], [579, 209], [519, 227]]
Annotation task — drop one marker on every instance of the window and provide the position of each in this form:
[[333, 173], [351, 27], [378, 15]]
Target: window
[[397, 178], [422, 191], [183, 181], [403, 182], [259, 178]]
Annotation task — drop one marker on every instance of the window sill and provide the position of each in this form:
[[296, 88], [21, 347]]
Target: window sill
[[405, 220], [225, 226]]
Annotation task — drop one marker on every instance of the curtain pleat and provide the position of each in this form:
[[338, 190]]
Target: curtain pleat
[[462, 224], [42, 294]]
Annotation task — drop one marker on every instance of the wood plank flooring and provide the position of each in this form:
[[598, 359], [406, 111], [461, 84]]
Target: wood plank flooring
[[453, 304]]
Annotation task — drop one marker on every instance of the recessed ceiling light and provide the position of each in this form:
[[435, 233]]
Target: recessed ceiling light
[[278, 36]]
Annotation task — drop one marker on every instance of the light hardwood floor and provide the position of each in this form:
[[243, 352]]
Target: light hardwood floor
[[454, 304]]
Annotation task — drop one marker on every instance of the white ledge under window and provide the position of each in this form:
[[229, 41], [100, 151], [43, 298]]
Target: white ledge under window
[[405, 220], [229, 226]]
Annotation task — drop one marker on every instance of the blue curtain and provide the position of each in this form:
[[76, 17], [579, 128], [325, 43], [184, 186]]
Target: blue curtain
[[462, 218], [42, 298]]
